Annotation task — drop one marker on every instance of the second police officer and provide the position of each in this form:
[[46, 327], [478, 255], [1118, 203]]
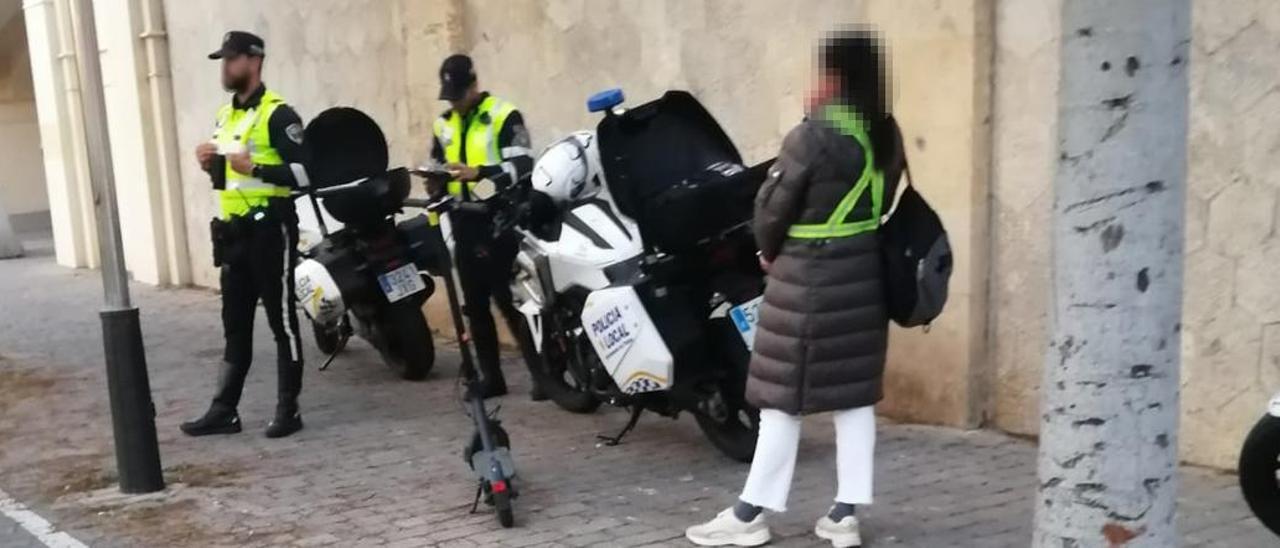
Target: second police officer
[[483, 137]]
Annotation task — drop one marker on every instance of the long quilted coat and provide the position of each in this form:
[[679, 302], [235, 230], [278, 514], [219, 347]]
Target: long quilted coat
[[823, 331]]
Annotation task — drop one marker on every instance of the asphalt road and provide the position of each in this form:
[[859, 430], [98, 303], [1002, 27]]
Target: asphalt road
[[14, 536]]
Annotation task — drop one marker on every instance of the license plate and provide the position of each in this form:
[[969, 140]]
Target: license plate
[[401, 282], [745, 317]]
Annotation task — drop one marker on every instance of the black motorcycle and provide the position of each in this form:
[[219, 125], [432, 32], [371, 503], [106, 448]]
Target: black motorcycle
[[367, 278]]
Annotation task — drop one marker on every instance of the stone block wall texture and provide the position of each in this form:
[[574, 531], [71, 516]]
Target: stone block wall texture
[[22, 180], [1231, 341], [1231, 337], [320, 53], [1024, 144]]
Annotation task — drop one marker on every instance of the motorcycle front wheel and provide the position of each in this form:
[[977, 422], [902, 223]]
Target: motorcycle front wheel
[[404, 340], [559, 382], [329, 338], [1259, 464], [733, 431]]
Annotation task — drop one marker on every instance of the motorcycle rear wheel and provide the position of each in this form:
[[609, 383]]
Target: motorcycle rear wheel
[[404, 341], [1259, 464]]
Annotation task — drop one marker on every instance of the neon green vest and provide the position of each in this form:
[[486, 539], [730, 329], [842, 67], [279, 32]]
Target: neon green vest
[[239, 130], [481, 137], [848, 122]]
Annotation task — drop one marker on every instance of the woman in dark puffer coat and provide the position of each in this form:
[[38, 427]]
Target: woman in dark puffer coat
[[823, 329]]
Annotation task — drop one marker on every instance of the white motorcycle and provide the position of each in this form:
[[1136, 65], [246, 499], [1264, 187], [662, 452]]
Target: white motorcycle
[[637, 274], [1259, 464]]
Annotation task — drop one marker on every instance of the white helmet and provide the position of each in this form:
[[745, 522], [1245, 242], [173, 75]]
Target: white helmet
[[569, 169]]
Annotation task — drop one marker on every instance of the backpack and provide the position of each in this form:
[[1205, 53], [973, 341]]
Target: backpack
[[917, 259]]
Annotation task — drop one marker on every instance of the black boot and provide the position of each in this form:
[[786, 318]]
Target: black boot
[[287, 422], [537, 393], [217, 420]]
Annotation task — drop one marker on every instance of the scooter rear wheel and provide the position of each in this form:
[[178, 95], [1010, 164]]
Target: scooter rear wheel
[[1259, 464], [506, 514]]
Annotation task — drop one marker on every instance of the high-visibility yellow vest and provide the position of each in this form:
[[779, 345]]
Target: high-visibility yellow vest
[[248, 129], [850, 123], [481, 137]]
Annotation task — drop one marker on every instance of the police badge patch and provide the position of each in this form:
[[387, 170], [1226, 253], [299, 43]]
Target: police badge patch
[[521, 137], [295, 132]]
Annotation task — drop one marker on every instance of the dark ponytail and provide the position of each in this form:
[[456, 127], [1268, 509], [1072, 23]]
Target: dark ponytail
[[857, 57]]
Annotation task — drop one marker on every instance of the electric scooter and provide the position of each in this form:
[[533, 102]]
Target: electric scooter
[[489, 452]]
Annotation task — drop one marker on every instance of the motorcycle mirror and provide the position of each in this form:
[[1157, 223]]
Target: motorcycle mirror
[[484, 189]]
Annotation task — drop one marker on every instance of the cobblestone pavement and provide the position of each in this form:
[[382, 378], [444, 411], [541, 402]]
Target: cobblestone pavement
[[379, 463]]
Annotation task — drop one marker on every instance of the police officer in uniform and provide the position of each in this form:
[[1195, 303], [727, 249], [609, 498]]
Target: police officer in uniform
[[255, 158], [483, 137]]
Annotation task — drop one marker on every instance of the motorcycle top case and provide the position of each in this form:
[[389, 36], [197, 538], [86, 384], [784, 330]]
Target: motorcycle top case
[[670, 166], [349, 167], [626, 340]]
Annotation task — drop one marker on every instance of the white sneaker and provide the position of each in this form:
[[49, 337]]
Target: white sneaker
[[844, 534], [727, 530]]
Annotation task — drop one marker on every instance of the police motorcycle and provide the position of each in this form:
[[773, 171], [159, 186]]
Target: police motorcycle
[[638, 275], [365, 276], [1260, 467]]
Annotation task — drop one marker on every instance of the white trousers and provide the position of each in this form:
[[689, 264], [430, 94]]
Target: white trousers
[[769, 482]]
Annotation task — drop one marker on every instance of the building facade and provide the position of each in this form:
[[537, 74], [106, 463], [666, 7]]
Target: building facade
[[975, 91]]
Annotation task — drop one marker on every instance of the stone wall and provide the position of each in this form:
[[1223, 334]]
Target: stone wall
[[22, 179], [1231, 341], [1024, 138], [320, 53]]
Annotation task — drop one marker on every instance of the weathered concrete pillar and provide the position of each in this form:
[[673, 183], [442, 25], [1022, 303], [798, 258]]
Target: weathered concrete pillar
[[1108, 438], [61, 133]]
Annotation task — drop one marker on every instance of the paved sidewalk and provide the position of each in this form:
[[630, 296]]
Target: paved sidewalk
[[380, 461]]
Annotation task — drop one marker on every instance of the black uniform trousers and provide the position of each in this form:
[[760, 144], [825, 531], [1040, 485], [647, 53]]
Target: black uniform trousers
[[485, 265], [258, 266]]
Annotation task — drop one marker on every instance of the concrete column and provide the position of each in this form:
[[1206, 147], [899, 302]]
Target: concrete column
[[1109, 429], [70, 204], [144, 165]]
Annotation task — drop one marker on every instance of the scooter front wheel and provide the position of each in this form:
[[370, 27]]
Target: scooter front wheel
[[1259, 463]]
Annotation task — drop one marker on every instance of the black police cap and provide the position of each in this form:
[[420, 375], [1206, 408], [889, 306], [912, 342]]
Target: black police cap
[[238, 42], [457, 73]]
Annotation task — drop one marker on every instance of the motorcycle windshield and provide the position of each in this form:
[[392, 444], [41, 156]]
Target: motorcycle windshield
[[657, 145]]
